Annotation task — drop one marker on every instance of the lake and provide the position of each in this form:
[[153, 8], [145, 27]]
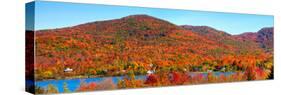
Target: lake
[[73, 84]]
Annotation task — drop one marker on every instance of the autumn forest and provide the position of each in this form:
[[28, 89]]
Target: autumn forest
[[144, 51]]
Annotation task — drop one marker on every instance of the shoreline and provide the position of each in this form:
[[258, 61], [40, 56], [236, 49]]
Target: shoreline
[[94, 76]]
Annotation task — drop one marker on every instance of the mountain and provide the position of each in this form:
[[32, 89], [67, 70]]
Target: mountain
[[148, 30], [206, 30], [223, 38], [247, 36], [143, 31], [263, 37], [134, 43]]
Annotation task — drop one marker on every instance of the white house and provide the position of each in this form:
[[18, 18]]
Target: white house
[[150, 72], [68, 70]]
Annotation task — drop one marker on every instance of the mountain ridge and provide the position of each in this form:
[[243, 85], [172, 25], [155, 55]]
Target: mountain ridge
[[148, 27], [264, 37], [149, 17]]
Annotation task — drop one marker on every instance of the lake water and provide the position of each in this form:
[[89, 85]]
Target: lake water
[[73, 84]]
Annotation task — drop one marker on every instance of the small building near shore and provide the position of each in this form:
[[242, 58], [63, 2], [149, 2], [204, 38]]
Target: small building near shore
[[68, 70]]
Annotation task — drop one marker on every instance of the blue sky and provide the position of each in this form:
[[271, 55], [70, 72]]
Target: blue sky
[[50, 15]]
